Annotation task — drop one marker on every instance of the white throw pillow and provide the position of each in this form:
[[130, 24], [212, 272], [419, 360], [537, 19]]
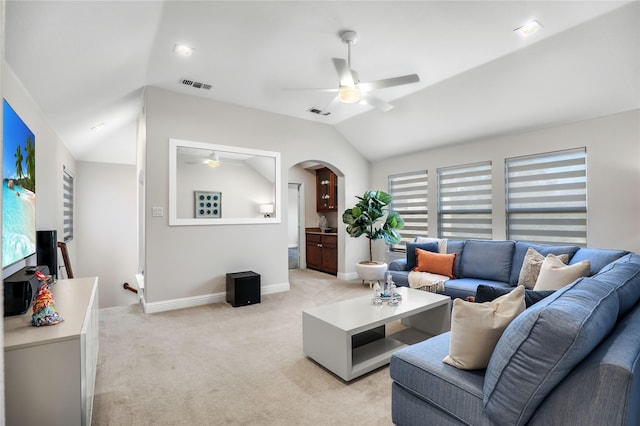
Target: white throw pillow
[[554, 274], [442, 243], [477, 327], [531, 267]]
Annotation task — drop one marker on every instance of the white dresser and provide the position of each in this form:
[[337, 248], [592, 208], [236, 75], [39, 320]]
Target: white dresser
[[50, 371]]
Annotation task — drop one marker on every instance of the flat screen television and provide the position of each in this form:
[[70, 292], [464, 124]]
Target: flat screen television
[[18, 188]]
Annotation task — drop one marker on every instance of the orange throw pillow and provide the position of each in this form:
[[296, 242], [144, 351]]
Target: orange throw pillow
[[436, 263]]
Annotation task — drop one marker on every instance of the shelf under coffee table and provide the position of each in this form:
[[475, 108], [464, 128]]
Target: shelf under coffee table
[[348, 337]]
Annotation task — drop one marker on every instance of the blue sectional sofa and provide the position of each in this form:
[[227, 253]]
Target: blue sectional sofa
[[496, 263], [572, 358]]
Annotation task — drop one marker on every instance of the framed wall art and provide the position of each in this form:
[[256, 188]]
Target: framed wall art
[[208, 204]]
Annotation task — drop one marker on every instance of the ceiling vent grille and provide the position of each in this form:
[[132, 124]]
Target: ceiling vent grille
[[318, 111], [196, 84]]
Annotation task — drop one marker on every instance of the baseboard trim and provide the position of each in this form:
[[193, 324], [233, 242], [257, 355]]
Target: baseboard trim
[[348, 276], [205, 299]]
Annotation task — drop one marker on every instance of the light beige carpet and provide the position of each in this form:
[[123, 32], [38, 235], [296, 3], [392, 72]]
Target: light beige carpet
[[215, 364]]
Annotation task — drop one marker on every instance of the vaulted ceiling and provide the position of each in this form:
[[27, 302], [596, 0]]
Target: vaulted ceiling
[[87, 62]]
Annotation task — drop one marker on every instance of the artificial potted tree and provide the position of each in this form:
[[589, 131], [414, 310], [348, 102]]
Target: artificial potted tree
[[367, 218]]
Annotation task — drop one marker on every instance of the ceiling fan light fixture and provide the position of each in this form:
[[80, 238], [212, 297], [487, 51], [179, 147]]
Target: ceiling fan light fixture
[[349, 94], [182, 50], [529, 29]]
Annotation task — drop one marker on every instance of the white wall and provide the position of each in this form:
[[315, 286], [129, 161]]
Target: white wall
[[51, 157], [190, 261], [293, 225], [613, 171], [106, 229]]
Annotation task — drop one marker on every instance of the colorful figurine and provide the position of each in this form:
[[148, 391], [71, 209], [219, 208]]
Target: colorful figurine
[[44, 310]]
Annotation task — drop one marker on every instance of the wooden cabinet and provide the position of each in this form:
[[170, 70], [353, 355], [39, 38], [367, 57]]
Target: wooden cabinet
[[326, 190], [322, 252]]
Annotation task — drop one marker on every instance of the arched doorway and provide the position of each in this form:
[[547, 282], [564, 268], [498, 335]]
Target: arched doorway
[[304, 180]]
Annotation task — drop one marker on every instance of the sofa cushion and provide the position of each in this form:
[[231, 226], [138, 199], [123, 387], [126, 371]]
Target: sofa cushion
[[400, 278], [599, 258], [554, 274], [625, 278], [627, 258], [457, 247], [487, 259], [531, 267], [420, 370], [398, 265], [435, 263], [486, 293], [407, 408], [521, 250], [411, 252], [463, 287], [477, 327], [542, 345]]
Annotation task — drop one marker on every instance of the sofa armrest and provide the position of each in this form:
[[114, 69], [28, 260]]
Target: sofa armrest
[[398, 265]]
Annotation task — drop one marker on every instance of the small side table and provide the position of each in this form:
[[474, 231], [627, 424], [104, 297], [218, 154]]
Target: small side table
[[243, 288]]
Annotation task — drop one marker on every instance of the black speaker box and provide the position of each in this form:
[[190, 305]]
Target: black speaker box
[[20, 288], [47, 250], [243, 288]]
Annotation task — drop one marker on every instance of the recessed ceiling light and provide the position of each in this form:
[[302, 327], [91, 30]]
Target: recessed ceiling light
[[182, 50], [529, 29], [97, 127]]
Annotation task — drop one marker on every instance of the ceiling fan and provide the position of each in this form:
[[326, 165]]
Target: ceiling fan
[[212, 160], [351, 90]]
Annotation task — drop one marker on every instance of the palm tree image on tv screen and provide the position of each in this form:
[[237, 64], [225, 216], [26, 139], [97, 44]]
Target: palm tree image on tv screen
[[18, 188]]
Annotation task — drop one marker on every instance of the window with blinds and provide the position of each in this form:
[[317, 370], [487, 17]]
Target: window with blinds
[[547, 197], [464, 202], [410, 194], [67, 204]]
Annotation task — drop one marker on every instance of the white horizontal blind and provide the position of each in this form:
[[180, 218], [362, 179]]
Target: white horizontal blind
[[547, 197], [464, 202], [67, 205], [410, 193]]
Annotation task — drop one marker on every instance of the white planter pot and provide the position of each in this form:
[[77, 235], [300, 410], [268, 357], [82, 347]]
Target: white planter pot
[[371, 271]]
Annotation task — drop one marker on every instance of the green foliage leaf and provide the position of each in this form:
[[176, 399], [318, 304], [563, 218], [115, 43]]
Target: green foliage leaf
[[363, 217]]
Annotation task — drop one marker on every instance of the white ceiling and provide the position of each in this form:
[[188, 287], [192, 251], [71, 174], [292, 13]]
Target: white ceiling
[[86, 62]]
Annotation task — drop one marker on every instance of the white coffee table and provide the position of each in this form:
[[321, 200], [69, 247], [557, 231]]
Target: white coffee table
[[348, 337]]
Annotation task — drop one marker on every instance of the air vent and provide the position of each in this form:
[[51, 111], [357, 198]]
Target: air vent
[[318, 111], [196, 84]]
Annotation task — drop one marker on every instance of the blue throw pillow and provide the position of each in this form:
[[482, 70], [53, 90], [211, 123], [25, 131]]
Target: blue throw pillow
[[486, 293], [411, 252], [456, 246]]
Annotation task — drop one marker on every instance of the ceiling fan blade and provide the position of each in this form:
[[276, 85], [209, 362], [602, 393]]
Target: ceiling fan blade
[[389, 82], [376, 102], [344, 73]]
